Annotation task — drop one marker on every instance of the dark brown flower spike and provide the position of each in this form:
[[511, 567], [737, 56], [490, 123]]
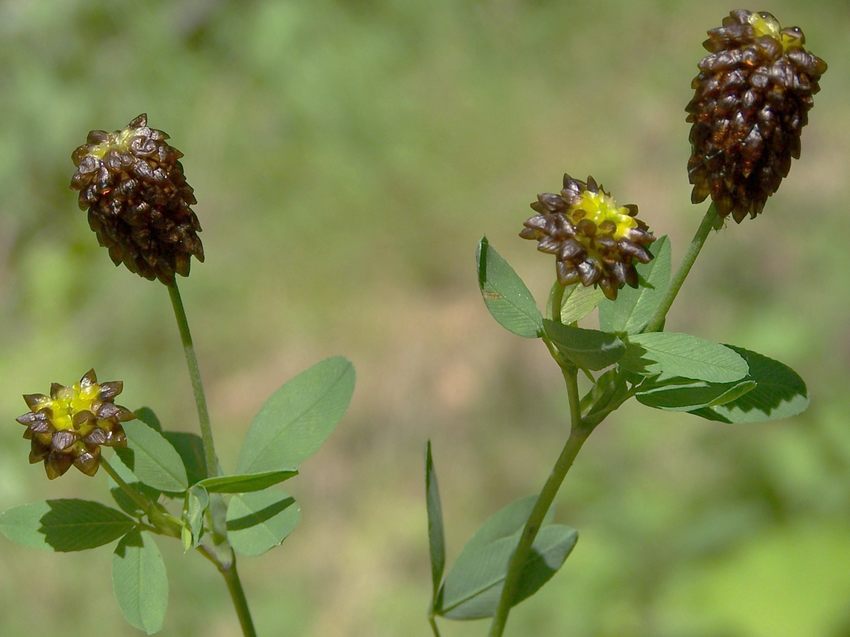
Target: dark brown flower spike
[[751, 101], [595, 241], [69, 426], [138, 200]]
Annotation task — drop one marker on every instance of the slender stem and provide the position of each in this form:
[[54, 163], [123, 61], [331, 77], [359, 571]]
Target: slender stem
[[694, 248], [195, 377], [578, 435], [433, 622], [557, 300], [143, 503], [234, 587], [163, 522], [240, 602], [222, 554]]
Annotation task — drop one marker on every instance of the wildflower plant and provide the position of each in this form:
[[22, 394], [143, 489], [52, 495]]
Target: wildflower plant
[[165, 483], [752, 95]]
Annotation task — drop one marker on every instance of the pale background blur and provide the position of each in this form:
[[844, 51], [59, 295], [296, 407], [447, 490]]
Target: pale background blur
[[346, 157]]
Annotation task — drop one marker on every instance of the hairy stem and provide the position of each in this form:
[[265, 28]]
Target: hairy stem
[[708, 221]]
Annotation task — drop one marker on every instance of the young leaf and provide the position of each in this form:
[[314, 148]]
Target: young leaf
[[436, 535], [668, 355], [64, 525], [140, 582], [578, 302], [190, 448], [197, 501], [473, 586], [245, 483], [152, 458], [589, 349], [779, 393], [634, 307], [684, 394], [257, 522], [505, 295], [295, 421]]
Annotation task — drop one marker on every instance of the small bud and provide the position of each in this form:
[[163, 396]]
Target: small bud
[[68, 427], [138, 200], [752, 97], [595, 241]]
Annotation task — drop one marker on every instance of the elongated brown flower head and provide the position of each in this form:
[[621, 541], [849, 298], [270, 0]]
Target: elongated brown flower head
[[753, 94], [138, 201], [595, 241], [70, 425]]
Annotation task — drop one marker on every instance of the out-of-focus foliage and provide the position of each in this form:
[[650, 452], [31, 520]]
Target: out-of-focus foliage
[[347, 156]]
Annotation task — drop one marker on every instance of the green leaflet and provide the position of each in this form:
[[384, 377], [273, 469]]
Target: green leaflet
[[140, 582], [506, 296], [296, 419]]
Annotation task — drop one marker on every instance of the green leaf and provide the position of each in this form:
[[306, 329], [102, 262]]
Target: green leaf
[[436, 534], [257, 522], [127, 504], [147, 416], [669, 354], [140, 582], [578, 302], [505, 295], [634, 307], [683, 394], [245, 483], [197, 501], [473, 586], [589, 349], [152, 458], [64, 525], [295, 421], [779, 393], [190, 448]]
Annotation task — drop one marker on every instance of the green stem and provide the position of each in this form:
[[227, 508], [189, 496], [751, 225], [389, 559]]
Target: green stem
[[237, 594], [143, 503], [222, 555], [195, 377], [163, 522], [708, 221], [556, 300], [234, 587], [578, 435], [433, 622]]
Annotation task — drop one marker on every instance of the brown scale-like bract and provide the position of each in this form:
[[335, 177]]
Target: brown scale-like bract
[[595, 241], [752, 96], [139, 204]]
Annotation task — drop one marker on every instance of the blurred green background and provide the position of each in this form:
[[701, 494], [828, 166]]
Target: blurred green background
[[346, 157]]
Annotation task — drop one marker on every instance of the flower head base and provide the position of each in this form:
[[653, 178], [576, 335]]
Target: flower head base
[[138, 201], [70, 425], [752, 96], [595, 241]]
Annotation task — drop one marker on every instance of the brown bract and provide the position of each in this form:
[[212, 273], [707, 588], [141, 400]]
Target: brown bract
[[595, 241], [752, 95], [138, 201]]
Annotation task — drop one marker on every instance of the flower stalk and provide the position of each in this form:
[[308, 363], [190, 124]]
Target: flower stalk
[[656, 323]]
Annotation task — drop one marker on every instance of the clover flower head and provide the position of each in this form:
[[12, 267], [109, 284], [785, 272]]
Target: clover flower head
[[595, 241], [131, 183], [69, 426], [751, 100]]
